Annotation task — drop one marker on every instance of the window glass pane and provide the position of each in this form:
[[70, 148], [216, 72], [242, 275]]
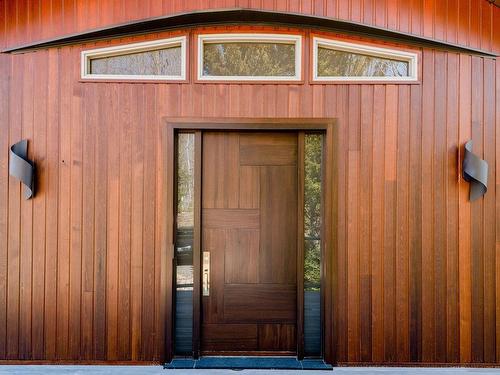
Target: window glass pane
[[312, 243], [164, 62], [335, 63], [249, 59], [184, 244]]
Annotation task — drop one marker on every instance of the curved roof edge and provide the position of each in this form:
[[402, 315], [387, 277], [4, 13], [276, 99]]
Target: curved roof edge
[[239, 15]]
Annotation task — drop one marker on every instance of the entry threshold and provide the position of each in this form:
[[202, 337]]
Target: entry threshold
[[250, 363]]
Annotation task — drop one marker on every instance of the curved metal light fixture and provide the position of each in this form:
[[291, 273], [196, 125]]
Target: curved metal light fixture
[[475, 171], [22, 168]]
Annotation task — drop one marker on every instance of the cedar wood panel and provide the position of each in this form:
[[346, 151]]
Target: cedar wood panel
[[83, 268]]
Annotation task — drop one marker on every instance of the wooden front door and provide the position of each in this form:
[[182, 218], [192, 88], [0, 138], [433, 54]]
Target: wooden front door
[[249, 229]]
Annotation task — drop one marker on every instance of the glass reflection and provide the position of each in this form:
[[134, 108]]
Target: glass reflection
[[312, 243], [248, 59], [184, 244], [162, 62], [335, 63]]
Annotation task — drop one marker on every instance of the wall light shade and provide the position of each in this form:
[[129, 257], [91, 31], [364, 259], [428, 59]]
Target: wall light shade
[[475, 171], [22, 168]]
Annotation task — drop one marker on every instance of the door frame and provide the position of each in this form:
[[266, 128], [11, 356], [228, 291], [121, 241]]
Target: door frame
[[329, 127]]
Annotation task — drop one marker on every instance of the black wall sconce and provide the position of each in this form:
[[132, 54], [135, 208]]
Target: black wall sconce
[[475, 171], [22, 168]]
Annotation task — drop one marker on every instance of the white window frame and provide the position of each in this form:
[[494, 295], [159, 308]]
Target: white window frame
[[255, 38], [410, 57], [87, 56]]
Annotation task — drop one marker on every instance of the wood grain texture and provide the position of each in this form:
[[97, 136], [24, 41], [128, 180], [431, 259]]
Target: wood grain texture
[[416, 264], [253, 255], [469, 23]]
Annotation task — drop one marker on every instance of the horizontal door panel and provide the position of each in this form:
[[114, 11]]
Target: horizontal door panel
[[259, 303], [230, 218], [224, 337], [269, 149], [277, 336]]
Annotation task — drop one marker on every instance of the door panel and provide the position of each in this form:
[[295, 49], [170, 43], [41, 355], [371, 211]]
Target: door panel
[[249, 226], [259, 303], [278, 191]]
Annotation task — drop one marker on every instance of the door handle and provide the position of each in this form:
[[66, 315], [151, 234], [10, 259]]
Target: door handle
[[206, 273]]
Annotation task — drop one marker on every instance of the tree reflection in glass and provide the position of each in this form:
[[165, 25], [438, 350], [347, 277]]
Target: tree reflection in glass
[[336, 63], [161, 62], [312, 243], [312, 211], [249, 59], [184, 244]]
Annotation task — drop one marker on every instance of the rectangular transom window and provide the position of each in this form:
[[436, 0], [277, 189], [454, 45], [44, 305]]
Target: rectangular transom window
[[342, 61], [156, 60], [249, 57]]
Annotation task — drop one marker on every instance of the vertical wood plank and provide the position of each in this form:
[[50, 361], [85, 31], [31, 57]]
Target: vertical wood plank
[[415, 229], [464, 21], [112, 222], [477, 244], [377, 258], [352, 258], [51, 229], [125, 197], [39, 205], [353, 205], [336, 104], [402, 226], [100, 225], [89, 101], [5, 68], [14, 219], [391, 131], [464, 214], [489, 214], [439, 166], [77, 208], [428, 250], [148, 275], [64, 204], [137, 216], [365, 224], [452, 320], [497, 209], [164, 244], [26, 232]]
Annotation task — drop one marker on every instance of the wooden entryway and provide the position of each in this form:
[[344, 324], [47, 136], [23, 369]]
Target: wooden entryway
[[249, 230], [247, 277]]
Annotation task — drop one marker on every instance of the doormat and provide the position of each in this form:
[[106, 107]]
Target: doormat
[[240, 363]]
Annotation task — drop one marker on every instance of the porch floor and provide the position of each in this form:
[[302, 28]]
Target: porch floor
[[158, 370]]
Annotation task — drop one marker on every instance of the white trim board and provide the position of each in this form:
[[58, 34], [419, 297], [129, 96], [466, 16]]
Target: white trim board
[[230, 37], [88, 55], [410, 57]]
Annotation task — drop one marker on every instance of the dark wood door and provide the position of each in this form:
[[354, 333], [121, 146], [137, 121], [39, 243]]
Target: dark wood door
[[249, 226]]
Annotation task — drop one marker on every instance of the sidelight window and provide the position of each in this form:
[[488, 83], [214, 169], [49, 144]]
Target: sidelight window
[[245, 57], [313, 192], [184, 235], [342, 61], [157, 60]]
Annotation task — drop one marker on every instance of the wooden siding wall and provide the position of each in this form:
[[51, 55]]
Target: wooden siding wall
[[468, 22], [81, 275]]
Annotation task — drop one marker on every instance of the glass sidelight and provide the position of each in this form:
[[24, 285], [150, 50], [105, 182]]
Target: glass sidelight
[[184, 238], [313, 193]]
